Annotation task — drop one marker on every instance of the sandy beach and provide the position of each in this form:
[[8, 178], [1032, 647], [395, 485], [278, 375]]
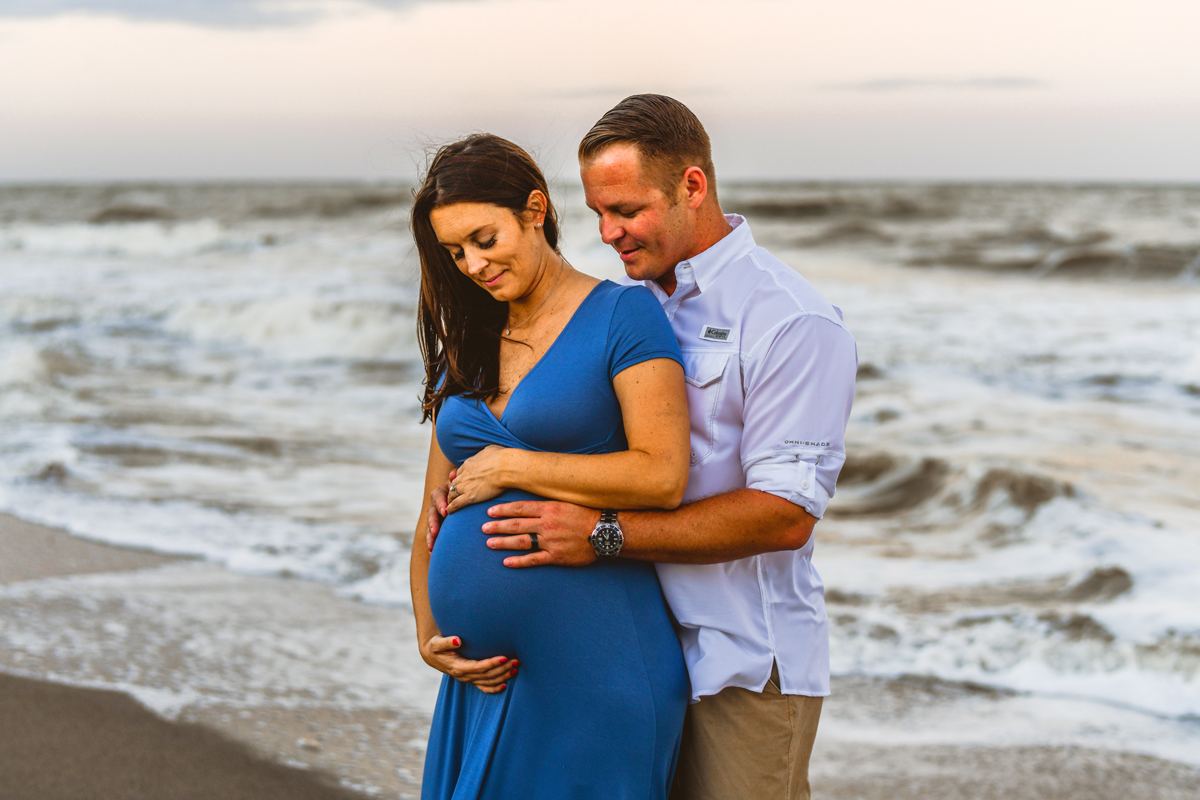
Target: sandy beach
[[134, 675]]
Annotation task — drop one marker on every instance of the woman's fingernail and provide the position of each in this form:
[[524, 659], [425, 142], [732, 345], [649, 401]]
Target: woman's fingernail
[[503, 686], [457, 643], [512, 674], [503, 659], [516, 662]]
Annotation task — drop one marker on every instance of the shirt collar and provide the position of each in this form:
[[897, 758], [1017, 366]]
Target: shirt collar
[[707, 264]]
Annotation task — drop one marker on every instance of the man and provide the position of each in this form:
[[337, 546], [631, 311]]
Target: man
[[770, 378]]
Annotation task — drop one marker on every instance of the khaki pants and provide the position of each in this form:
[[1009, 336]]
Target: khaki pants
[[742, 745]]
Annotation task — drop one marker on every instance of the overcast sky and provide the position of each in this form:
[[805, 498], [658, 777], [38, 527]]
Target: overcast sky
[[927, 89]]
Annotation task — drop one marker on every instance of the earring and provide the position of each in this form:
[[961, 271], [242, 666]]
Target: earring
[[538, 225]]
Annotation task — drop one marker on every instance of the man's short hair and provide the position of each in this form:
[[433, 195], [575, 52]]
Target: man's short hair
[[667, 134]]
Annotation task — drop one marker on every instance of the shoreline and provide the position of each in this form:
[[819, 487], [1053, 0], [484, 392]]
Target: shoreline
[[33, 551], [281, 683]]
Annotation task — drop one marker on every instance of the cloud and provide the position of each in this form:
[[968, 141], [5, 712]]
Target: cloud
[[212, 13], [969, 84]]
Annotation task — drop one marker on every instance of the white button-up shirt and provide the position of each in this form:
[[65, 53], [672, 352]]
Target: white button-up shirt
[[770, 372]]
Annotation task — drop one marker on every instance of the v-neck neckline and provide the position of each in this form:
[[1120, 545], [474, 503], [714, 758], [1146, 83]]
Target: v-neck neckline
[[513, 392]]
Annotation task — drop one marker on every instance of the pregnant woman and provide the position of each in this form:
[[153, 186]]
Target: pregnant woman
[[542, 382]]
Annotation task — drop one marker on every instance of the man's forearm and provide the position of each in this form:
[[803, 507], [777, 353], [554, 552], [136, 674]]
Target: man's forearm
[[734, 525]]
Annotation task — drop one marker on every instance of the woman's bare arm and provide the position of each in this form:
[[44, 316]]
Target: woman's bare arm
[[441, 652], [652, 473]]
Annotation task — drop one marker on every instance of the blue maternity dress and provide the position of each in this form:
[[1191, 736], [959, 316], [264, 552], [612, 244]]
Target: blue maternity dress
[[597, 709]]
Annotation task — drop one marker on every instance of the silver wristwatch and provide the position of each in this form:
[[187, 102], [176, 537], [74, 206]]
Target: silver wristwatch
[[607, 538]]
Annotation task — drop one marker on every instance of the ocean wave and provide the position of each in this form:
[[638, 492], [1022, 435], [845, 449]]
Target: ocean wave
[[136, 239], [1049, 653], [131, 212], [336, 204], [1047, 231], [851, 232], [880, 483], [21, 364], [253, 543], [124, 203], [882, 203], [1001, 575], [301, 327]]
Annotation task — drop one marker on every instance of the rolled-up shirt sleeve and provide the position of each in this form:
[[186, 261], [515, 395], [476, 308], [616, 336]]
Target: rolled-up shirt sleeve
[[799, 386]]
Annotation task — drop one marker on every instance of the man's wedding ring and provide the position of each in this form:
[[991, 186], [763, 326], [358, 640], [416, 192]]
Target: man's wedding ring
[[533, 545]]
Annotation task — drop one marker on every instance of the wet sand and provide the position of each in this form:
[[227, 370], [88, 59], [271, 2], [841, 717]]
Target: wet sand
[[946, 772], [269, 688], [66, 743], [31, 552]]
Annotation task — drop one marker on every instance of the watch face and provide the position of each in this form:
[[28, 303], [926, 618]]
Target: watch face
[[608, 539]]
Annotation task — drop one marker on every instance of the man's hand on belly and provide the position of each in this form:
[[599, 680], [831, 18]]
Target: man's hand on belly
[[562, 530]]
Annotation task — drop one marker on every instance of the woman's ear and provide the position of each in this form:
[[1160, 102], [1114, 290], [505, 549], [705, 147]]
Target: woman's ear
[[537, 205]]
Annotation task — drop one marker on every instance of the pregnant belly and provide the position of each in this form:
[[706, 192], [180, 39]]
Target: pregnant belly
[[478, 599]]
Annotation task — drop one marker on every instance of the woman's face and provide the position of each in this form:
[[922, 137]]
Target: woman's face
[[491, 246]]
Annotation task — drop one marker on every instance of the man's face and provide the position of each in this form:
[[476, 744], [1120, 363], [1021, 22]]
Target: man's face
[[651, 231]]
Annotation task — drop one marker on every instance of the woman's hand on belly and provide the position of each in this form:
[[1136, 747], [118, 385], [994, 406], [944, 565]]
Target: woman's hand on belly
[[481, 477], [490, 675]]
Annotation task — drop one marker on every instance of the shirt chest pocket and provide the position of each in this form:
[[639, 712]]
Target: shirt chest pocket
[[705, 377]]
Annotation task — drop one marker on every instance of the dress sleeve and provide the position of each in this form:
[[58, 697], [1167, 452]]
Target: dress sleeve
[[639, 331]]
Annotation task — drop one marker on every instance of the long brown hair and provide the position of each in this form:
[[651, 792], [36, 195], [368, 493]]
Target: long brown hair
[[458, 323]]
